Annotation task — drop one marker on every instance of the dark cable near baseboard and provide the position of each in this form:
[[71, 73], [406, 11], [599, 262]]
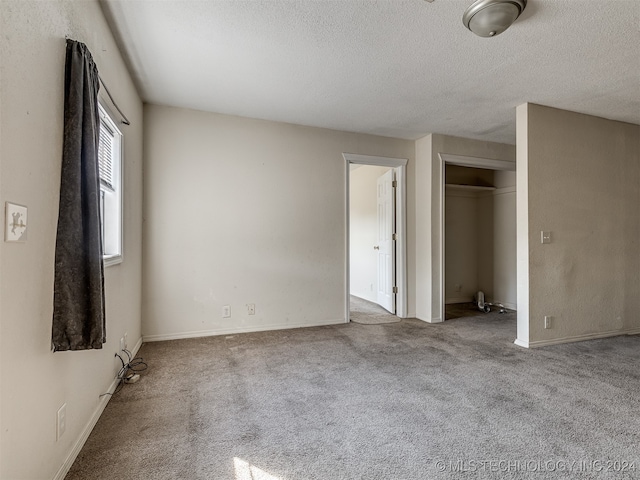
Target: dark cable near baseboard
[[132, 367]]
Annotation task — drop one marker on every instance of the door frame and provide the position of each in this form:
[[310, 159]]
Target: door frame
[[462, 161], [400, 167]]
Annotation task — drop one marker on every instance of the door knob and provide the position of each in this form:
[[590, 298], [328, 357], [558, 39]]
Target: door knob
[[376, 247]]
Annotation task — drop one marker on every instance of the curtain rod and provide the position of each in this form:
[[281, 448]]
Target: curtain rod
[[124, 118]]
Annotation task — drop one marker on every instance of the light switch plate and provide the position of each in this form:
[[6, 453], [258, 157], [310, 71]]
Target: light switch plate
[[15, 228], [545, 237]]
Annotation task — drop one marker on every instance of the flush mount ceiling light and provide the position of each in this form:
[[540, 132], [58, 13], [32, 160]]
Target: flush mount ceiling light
[[488, 18]]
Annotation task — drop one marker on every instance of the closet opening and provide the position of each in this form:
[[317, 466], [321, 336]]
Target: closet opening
[[479, 241]]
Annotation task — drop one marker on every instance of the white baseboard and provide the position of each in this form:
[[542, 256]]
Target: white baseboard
[[521, 343], [234, 330], [510, 306], [431, 320], [576, 338], [84, 435]]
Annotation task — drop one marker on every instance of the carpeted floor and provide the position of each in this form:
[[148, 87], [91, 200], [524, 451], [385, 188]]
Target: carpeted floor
[[400, 401], [369, 313]]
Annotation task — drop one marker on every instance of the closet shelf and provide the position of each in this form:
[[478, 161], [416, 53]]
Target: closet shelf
[[469, 188]]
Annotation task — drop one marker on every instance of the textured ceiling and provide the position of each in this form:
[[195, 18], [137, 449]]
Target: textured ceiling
[[400, 68]]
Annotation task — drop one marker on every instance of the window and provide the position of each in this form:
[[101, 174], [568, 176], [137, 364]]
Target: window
[[110, 168]]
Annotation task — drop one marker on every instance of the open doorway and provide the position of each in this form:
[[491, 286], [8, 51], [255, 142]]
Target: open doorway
[[376, 240], [479, 241], [372, 253]]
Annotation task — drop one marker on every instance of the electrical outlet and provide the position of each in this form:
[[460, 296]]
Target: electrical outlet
[[251, 308], [545, 237], [126, 343], [61, 421], [226, 311], [547, 321]]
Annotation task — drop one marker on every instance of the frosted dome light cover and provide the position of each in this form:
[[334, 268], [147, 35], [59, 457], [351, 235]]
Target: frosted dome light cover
[[488, 18]]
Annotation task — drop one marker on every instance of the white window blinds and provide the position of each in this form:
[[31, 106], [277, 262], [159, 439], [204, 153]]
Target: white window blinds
[[105, 155]]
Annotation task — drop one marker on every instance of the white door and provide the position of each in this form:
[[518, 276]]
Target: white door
[[386, 244]]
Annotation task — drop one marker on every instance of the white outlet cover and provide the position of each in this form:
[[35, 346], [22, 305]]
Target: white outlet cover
[[15, 229]]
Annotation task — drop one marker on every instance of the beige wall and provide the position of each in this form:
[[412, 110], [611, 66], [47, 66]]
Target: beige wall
[[34, 381], [428, 214], [462, 238], [241, 211], [457, 175], [485, 236], [363, 231], [583, 179]]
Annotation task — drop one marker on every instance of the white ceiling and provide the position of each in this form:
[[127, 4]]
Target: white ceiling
[[400, 68]]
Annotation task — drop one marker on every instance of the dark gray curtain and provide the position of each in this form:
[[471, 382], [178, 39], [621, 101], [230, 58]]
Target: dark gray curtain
[[78, 298]]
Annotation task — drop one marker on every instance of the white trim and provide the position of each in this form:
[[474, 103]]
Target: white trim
[[400, 166], [521, 343], [401, 245], [477, 162], [374, 160], [468, 188], [234, 330], [576, 338], [347, 240], [84, 435], [107, 116], [111, 260], [522, 224], [433, 320], [442, 253]]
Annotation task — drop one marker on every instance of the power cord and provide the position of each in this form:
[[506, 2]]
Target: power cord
[[129, 373]]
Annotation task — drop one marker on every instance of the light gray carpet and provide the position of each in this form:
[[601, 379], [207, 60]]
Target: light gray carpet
[[369, 313], [373, 402]]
